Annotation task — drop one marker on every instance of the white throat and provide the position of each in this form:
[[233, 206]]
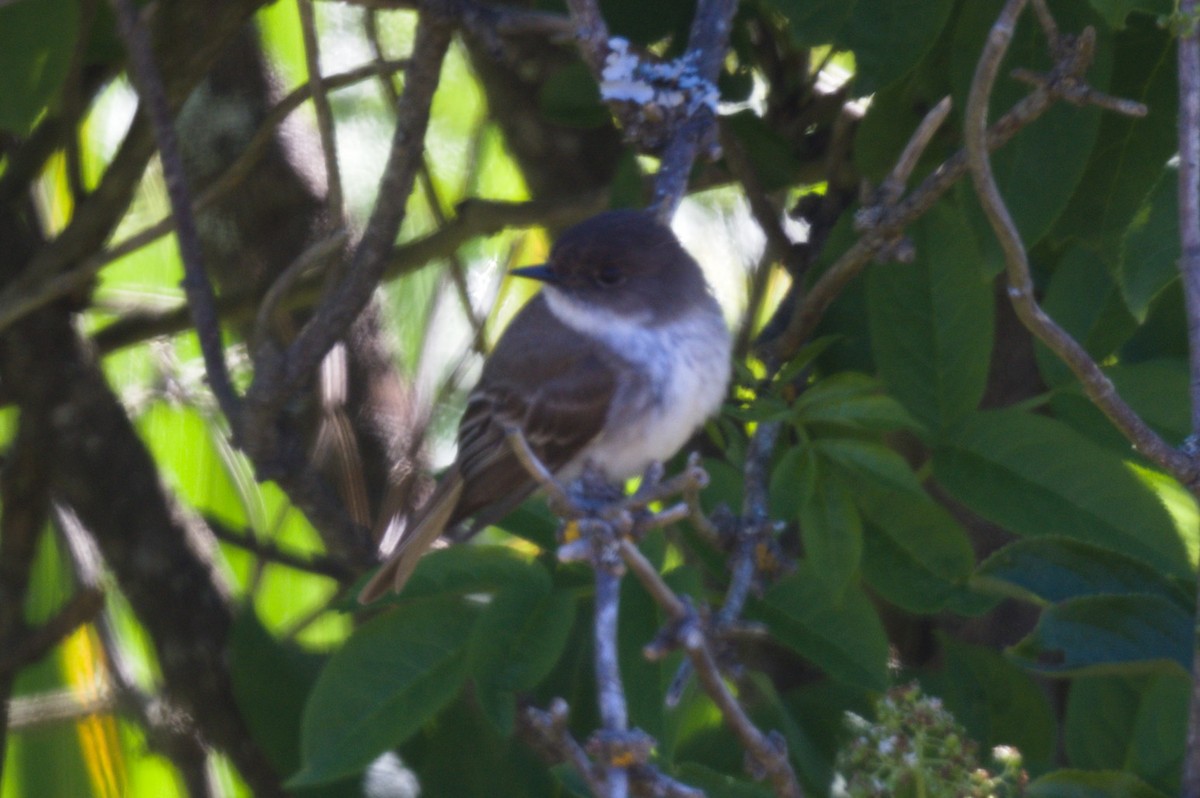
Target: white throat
[[678, 377]]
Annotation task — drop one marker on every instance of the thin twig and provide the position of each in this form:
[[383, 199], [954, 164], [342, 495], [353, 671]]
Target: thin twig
[[73, 100], [343, 304], [751, 531], [1092, 378], [199, 291], [273, 553], [36, 643], [325, 125], [553, 733], [458, 270], [168, 731], [536, 468], [591, 32], [767, 751], [893, 185], [311, 258], [805, 315]]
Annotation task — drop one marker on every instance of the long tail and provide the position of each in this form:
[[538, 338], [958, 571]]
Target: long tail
[[428, 527]]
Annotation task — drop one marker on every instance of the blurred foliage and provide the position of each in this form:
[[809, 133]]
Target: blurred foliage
[[897, 447]]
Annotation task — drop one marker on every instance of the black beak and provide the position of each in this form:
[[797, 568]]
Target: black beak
[[540, 272]]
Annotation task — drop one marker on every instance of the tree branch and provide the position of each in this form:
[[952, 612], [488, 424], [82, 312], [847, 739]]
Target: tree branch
[[338, 309], [200, 294], [475, 218], [1189, 268], [325, 126], [1095, 382], [883, 225]]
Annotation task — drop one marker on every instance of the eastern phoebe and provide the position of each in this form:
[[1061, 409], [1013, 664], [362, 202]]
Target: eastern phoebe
[[616, 362]]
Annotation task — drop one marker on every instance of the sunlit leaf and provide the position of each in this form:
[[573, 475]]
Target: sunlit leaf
[[1035, 476]]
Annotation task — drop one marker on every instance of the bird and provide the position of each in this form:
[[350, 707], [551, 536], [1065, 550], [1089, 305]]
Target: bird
[[616, 362]]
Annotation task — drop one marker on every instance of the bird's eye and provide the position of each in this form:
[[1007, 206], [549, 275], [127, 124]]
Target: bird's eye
[[609, 276]]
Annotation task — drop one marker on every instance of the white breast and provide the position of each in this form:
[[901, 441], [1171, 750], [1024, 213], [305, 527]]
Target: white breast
[[680, 375]]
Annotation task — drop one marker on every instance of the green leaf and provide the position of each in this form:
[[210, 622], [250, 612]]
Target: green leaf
[[1035, 476], [889, 37], [1115, 11], [270, 682], [532, 521], [793, 479], [914, 553], [852, 400], [806, 747], [1130, 152], [1136, 723], [36, 41], [845, 639], [931, 321], [832, 533], [570, 97], [1038, 170], [184, 445], [870, 462], [997, 702], [793, 368], [392, 675], [1150, 249], [1090, 784], [814, 22], [1116, 634], [820, 709], [517, 642], [1053, 569], [521, 634]]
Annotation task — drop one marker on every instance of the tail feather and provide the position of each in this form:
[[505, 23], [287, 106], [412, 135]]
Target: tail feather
[[427, 528]]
